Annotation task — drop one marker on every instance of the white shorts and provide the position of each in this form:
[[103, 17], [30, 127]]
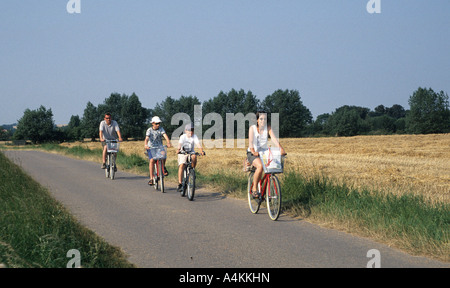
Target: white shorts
[[182, 159]]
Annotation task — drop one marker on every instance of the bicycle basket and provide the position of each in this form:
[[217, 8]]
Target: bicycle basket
[[112, 147], [157, 153], [272, 160]]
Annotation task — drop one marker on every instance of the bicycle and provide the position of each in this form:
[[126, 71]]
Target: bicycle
[[159, 154], [188, 183], [271, 192], [112, 148]]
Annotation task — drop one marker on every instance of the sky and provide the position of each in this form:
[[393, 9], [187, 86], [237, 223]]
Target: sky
[[334, 52]]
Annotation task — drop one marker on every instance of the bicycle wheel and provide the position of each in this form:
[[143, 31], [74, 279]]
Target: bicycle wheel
[[107, 166], [183, 183], [273, 198], [191, 184], [155, 176], [112, 167], [253, 203], [161, 175]]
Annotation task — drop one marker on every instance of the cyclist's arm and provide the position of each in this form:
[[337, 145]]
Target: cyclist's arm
[[146, 142], [167, 140], [120, 136], [100, 135], [250, 141], [276, 142]]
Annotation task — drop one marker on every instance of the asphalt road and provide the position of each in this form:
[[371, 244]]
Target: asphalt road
[[166, 230]]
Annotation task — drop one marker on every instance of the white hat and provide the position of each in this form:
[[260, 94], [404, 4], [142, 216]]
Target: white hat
[[156, 120]]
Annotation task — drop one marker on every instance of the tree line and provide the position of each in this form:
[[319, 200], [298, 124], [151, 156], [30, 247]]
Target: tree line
[[429, 113]]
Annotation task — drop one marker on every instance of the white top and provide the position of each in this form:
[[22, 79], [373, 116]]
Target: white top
[[188, 143], [259, 139], [109, 131]]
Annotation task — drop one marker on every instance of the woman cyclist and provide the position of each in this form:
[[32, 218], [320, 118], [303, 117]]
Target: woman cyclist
[[258, 136]]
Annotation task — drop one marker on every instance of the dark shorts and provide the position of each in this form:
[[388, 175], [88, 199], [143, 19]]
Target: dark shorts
[[251, 157]]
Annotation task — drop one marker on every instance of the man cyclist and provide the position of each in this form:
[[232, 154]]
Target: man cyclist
[[153, 138], [108, 130], [187, 142]]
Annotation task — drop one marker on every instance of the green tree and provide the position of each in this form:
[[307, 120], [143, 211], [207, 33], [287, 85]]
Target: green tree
[[293, 115], [169, 107], [429, 112], [133, 117], [36, 125], [73, 131], [90, 122], [348, 121]]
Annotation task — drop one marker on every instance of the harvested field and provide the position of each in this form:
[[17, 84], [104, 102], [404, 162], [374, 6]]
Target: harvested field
[[418, 164]]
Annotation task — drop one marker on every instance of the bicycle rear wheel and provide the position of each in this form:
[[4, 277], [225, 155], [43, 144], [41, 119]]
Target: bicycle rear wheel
[[273, 198], [253, 203], [112, 166], [191, 184], [184, 183], [161, 175], [107, 166], [155, 176]]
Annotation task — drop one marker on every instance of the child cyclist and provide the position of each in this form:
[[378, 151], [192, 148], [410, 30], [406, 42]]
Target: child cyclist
[[187, 142], [153, 138]]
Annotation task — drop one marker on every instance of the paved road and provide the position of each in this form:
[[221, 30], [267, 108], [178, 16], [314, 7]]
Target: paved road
[[165, 230]]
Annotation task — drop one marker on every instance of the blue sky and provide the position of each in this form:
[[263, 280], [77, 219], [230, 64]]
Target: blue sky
[[333, 52]]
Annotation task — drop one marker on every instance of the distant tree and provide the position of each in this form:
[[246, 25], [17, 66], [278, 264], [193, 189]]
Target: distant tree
[[90, 122], [169, 107], [133, 117], [294, 116], [73, 131], [348, 121], [429, 112], [233, 102], [36, 125]]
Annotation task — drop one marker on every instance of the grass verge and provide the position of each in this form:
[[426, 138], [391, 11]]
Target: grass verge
[[37, 231]]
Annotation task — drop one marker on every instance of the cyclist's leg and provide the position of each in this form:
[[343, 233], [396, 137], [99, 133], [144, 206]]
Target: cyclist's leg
[[194, 160], [258, 173], [104, 153], [151, 167]]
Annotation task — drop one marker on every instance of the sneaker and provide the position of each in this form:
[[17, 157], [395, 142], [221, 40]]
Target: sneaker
[[180, 188], [104, 166], [115, 168], [166, 173]]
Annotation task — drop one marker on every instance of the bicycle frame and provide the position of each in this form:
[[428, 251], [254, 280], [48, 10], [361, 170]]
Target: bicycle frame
[[112, 150], [189, 172], [269, 191], [158, 166]]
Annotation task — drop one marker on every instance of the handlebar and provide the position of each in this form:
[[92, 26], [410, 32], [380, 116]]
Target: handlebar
[[191, 153]]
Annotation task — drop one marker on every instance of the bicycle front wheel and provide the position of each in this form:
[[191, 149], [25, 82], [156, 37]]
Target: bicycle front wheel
[[253, 203], [191, 184], [273, 198], [161, 175], [112, 166], [107, 166]]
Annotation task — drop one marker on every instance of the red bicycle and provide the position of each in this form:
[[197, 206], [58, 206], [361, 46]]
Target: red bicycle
[[271, 188]]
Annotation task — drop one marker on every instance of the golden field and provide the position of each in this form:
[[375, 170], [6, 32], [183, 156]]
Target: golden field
[[418, 164]]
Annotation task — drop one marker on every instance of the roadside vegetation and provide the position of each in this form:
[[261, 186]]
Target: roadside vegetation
[[38, 232]]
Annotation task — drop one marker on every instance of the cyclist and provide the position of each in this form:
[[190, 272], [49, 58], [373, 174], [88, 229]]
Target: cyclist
[[108, 130], [258, 136], [187, 143], [153, 138]]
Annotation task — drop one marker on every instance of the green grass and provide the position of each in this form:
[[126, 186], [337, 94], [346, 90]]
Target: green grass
[[407, 222], [37, 231]]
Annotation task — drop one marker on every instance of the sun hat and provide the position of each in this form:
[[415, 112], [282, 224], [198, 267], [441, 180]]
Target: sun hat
[[156, 120]]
